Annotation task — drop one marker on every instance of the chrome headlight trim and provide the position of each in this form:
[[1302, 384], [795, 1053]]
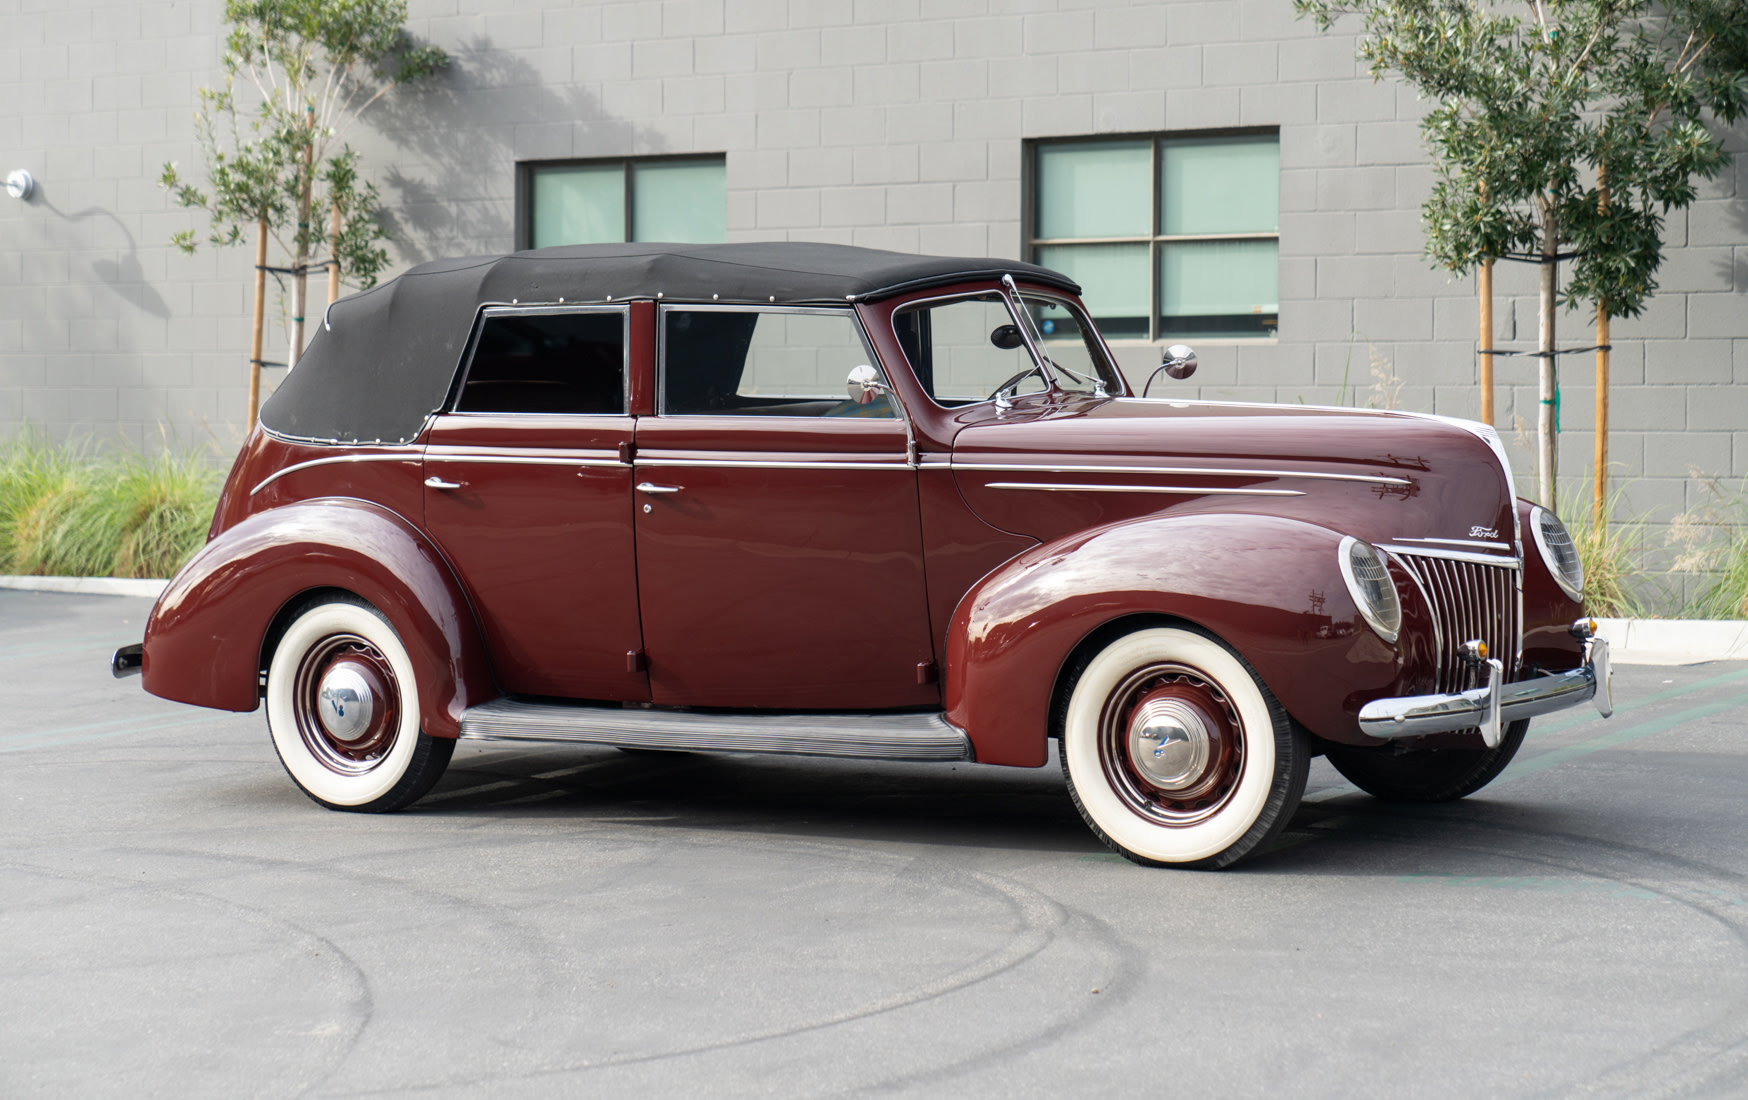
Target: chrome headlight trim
[[1559, 552], [1369, 583]]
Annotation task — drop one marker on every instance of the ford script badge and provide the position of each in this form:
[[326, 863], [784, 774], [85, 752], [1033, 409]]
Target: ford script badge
[[1480, 532]]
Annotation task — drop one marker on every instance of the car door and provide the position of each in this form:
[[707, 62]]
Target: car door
[[527, 492], [779, 549]]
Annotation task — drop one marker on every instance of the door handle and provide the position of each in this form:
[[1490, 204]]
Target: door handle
[[652, 487], [438, 483]]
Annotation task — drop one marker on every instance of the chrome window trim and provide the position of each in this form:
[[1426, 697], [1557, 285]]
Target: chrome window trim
[[1057, 487], [487, 312], [1081, 317], [400, 456], [1177, 471], [850, 311], [592, 458]]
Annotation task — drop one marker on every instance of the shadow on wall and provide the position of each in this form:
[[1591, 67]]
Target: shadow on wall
[[125, 277], [467, 129]]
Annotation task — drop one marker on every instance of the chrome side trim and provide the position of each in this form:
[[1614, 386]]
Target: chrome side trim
[[1452, 555], [1479, 543], [917, 737], [606, 458], [1178, 471], [771, 464], [1053, 487], [405, 456], [1415, 715]]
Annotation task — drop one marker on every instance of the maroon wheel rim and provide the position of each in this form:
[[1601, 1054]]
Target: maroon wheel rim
[[1207, 764], [347, 744]]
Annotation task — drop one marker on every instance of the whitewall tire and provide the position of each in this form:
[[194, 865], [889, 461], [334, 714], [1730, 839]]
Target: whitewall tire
[[343, 709], [1175, 751]]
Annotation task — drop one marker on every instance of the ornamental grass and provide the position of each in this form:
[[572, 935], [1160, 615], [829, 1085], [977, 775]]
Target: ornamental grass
[[64, 512]]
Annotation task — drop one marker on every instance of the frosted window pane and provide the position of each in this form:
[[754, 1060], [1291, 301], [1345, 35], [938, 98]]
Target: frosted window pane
[[1095, 189], [1113, 282], [684, 202], [1214, 287], [579, 205], [1220, 185]]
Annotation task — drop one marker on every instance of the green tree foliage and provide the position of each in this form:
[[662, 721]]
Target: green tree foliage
[[1561, 129], [297, 74]]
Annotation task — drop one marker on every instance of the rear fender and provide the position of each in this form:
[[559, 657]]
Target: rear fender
[[1271, 588], [205, 642]]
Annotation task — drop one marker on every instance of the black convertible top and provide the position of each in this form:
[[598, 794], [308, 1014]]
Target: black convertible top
[[383, 360]]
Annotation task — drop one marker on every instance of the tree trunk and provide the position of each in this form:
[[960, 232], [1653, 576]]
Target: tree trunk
[[334, 226], [260, 320], [1548, 446], [1486, 348], [300, 277], [1599, 511]]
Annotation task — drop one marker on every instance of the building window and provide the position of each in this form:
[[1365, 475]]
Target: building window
[[677, 199], [1170, 237]]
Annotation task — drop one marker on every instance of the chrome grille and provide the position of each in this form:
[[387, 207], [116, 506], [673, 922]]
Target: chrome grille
[[1469, 599]]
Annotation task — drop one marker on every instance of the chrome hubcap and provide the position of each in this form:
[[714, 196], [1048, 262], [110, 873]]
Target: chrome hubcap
[[1170, 743], [346, 703]]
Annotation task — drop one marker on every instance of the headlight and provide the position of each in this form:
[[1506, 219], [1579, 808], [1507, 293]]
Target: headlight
[[1371, 587], [1558, 551]]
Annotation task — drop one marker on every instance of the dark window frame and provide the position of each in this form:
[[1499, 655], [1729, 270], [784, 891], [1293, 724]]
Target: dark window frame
[[1029, 209], [526, 170]]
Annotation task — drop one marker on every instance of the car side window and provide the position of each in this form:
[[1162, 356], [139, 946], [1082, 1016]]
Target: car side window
[[964, 349], [572, 362], [769, 362]]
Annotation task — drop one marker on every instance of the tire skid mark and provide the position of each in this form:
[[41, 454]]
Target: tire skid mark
[[1685, 1064], [363, 1000], [1042, 921]]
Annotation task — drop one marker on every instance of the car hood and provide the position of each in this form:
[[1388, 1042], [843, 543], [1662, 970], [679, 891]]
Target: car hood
[[1388, 477]]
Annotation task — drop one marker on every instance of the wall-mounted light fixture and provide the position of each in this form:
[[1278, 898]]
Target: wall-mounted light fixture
[[20, 184]]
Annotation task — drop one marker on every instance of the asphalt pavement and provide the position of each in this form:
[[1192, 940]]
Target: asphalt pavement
[[176, 919]]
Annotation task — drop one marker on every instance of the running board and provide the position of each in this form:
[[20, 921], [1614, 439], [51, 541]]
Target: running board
[[921, 737]]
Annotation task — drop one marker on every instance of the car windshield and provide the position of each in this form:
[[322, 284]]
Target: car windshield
[[964, 350]]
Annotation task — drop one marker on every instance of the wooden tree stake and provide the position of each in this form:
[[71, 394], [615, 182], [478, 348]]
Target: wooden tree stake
[[260, 319], [1486, 280], [1599, 516]]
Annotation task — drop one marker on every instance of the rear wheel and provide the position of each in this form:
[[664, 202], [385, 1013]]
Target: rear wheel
[[1176, 753], [343, 709], [1425, 775]]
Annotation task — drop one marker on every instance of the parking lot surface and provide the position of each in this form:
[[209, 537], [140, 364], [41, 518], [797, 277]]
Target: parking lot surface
[[178, 920]]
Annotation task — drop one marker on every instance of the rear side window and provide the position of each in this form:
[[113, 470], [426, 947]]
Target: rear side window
[[547, 363]]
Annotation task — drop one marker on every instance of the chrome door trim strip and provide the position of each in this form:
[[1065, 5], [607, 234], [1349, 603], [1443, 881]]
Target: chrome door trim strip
[[404, 456], [607, 458], [1179, 471], [1504, 561], [644, 460], [1060, 487]]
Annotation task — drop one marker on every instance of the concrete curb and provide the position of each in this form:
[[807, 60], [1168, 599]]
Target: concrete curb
[[1631, 641], [1675, 641], [89, 586]]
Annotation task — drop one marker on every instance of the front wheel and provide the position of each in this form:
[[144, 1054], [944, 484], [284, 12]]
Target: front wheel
[[343, 709], [1176, 753], [1425, 775]]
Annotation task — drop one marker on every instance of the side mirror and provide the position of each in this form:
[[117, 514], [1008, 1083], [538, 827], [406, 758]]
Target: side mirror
[[1007, 337], [1179, 361]]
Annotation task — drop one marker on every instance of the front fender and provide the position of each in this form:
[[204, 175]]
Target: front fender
[[204, 641], [1269, 587]]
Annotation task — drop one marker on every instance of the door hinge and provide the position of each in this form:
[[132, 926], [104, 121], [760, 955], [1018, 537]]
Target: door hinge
[[634, 661], [627, 452], [925, 672]]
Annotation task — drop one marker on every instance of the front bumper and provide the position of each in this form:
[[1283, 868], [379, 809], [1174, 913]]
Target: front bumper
[[1497, 705]]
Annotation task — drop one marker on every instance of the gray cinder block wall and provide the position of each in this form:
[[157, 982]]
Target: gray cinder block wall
[[890, 123]]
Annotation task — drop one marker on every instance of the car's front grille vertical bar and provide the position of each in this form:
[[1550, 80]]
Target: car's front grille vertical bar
[[1469, 600]]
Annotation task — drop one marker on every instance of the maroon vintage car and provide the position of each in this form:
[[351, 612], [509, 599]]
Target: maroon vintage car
[[803, 498]]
